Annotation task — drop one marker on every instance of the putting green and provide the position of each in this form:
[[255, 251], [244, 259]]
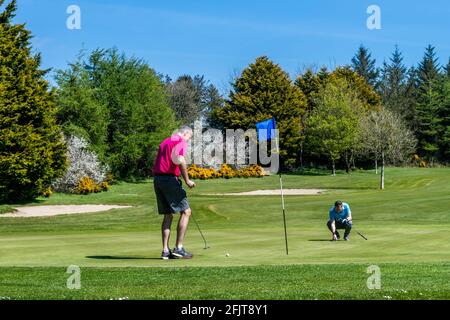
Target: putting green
[[408, 223]]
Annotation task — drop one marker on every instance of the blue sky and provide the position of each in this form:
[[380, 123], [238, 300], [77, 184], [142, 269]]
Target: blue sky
[[220, 38]]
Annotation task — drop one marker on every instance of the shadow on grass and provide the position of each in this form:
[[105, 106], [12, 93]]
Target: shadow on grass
[[120, 258], [22, 202], [307, 173], [321, 240]]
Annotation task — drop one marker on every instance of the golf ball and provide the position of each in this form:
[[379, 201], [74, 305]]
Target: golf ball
[[227, 255]]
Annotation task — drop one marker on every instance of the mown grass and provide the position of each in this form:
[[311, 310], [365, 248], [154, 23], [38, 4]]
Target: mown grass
[[407, 225]]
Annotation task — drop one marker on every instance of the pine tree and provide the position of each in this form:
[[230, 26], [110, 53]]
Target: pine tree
[[213, 101], [447, 69], [365, 66], [444, 114], [429, 101], [395, 87], [429, 67], [32, 150], [263, 91]]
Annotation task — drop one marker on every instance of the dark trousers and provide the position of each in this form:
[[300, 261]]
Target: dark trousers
[[339, 225]]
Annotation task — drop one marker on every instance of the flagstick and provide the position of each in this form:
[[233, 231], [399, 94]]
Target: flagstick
[[282, 204]]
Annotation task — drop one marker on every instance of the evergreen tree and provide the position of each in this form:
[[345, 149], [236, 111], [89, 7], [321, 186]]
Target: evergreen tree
[[32, 150], [365, 66], [429, 101], [396, 88], [264, 91], [428, 69], [214, 101], [447, 69], [310, 83], [444, 114]]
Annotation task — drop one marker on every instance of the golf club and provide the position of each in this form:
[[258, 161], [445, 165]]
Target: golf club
[[361, 235], [198, 227]]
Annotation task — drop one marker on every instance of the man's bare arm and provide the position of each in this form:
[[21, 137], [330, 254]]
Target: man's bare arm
[[333, 226], [183, 168]]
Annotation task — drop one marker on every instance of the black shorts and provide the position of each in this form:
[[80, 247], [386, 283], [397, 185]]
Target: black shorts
[[170, 195]]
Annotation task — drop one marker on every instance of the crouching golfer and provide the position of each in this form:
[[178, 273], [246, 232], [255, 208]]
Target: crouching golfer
[[340, 218], [170, 195]]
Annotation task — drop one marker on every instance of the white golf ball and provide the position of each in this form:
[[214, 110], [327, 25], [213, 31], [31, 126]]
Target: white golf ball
[[227, 255]]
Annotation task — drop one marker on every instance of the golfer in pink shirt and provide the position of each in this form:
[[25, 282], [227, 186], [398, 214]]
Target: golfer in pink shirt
[[169, 164]]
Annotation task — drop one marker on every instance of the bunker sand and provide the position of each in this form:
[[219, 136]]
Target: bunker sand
[[48, 211]]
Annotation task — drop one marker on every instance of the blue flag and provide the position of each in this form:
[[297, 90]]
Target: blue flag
[[265, 128]]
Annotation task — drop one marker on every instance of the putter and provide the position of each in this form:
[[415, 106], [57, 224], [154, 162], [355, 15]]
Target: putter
[[361, 235], [198, 227]]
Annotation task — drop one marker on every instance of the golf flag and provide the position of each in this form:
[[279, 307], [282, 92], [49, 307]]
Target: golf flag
[[265, 128]]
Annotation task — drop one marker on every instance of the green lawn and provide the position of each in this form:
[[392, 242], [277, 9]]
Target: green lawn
[[118, 251]]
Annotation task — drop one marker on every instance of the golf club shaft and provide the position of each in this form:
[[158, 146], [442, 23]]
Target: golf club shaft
[[198, 227], [361, 235]]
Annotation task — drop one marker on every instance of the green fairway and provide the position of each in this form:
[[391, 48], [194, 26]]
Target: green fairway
[[407, 226]]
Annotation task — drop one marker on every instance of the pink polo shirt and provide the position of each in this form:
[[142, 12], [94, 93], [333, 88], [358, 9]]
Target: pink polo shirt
[[164, 165]]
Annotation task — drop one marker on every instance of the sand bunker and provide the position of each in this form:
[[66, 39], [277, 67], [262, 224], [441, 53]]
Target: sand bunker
[[286, 192], [47, 211]]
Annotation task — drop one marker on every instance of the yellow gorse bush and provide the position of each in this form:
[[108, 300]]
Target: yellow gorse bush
[[225, 171], [88, 185]]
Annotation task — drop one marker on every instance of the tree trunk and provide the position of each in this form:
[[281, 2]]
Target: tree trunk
[[376, 166], [382, 171], [347, 163], [334, 168], [353, 161], [301, 155]]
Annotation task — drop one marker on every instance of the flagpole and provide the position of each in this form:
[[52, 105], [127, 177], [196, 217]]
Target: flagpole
[[282, 201]]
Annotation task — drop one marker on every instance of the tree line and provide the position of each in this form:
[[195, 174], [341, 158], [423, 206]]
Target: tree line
[[123, 108]]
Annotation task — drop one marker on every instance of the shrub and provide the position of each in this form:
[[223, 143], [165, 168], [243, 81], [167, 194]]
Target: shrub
[[225, 171], [104, 186], [86, 185], [418, 161], [251, 171], [83, 164], [47, 192]]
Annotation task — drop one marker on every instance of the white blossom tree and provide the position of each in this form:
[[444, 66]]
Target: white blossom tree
[[82, 163]]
